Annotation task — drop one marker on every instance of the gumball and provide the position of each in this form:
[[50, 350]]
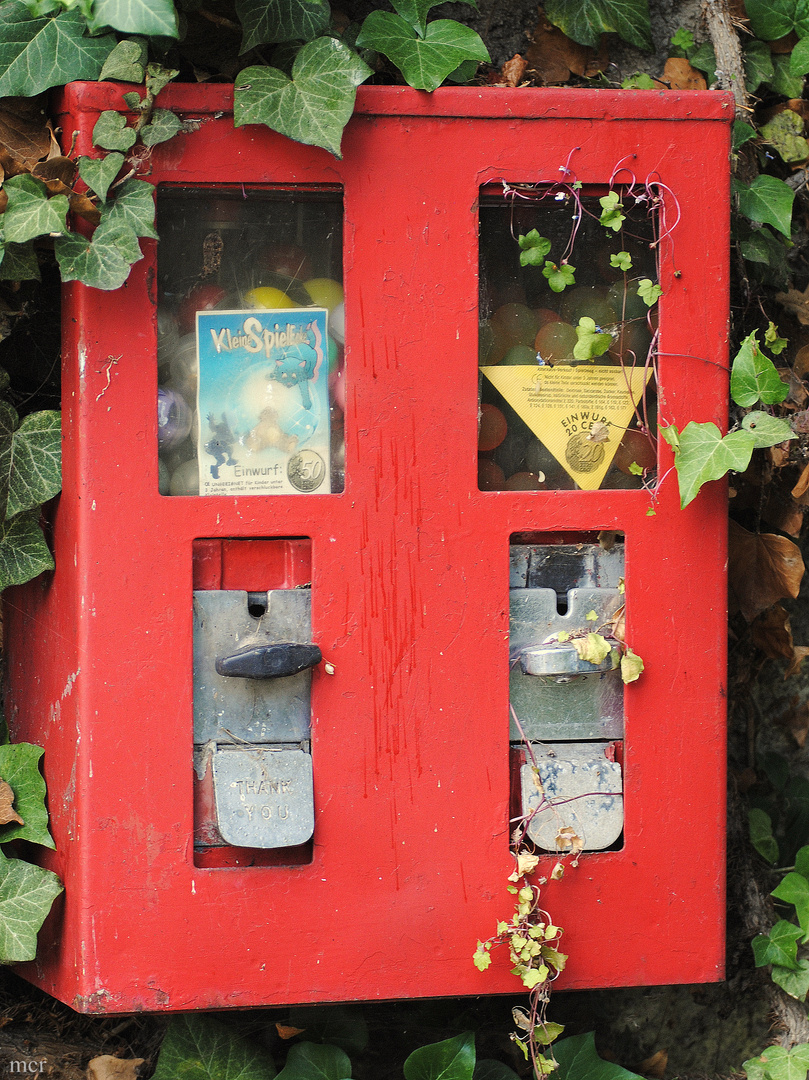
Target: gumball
[[490, 476], [516, 323], [266, 297], [524, 481], [493, 427], [163, 477], [287, 259], [183, 365], [631, 343], [589, 301], [555, 341], [201, 298], [625, 300], [335, 356], [637, 448], [337, 324], [518, 355], [173, 418], [337, 388], [324, 292], [546, 315], [185, 479]]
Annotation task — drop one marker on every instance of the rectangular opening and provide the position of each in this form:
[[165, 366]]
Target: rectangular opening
[[251, 378], [568, 330]]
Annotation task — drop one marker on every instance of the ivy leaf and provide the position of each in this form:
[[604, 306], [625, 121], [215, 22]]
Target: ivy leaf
[[98, 262], [164, 125], [639, 81], [780, 946], [631, 667], [203, 1048], [611, 207], [414, 12], [99, 173], [559, 277], [773, 19], [424, 61], [778, 1063], [533, 248], [794, 983], [754, 378], [769, 201], [799, 58], [683, 39], [742, 133], [783, 81], [802, 862], [30, 212], [266, 21], [586, 20], [133, 206], [23, 551], [158, 76], [591, 343], [110, 131], [758, 65], [26, 895], [773, 342], [19, 262], [793, 889], [649, 292], [578, 1060], [35, 463], [315, 1061], [126, 63], [785, 133], [314, 105], [38, 53], [9, 420], [342, 1025], [703, 455], [450, 1059], [767, 430], [19, 767], [152, 18], [621, 261], [704, 59], [593, 648], [761, 835]]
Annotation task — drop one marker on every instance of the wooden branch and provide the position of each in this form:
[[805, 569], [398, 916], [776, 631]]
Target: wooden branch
[[728, 49]]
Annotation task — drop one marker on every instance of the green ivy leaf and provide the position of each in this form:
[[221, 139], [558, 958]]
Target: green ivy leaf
[[533, 248], [773, 19], [794, 983], [802, 862], [126, 63], [152, 18], [649, 292], [315, 1061], [9, 420], [769, 201], [780, 946], [799, 58], [158, 76], [704, 59], [266, 21], [591, 343], [315, 105], [110, 131], [778, 1063], [761, 835], [586, 20], [19, 767], [754, 378], [23, 551], [133, 206], [36, 54], [30, 212], [451, 1059], [99, 262], [492, 1069], [19, 262], [683, 39], [199, 1047], [414, 12], [783, 81], [639, 81], [26, 895], [559, 277], [99, 173], [785, 133], [578, 1060], [343, 1025], [742, 133], [794, 889], [773, 342], [764, 247], [163, 126], [703, 455], [767, 430], [621, 261], [611, 215], [35, 463], [758, 65], [424, 61]]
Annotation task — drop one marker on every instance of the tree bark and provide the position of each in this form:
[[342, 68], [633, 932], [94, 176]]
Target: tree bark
[[726, 45]]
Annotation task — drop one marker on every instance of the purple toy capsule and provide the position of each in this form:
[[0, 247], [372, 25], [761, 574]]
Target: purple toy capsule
[[173, 418]]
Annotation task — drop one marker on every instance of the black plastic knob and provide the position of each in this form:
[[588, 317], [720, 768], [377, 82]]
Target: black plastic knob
[[269, 661]]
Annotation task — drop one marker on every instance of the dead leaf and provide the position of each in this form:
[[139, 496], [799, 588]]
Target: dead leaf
[[512, 71], [558, 872], [107, 1067], [553, 57], [526, 863], [86, 208], [782, 512], [802, 485], [771, 633], [599, 432], [799, 654], [24, 135], [763, 568], [569, 841], [795, 720], [655, 1066], [778, 455], [607, 538], [287, 1032], [797, 303], [679, 75], [7, 811], [521, 1019], [57, 168], [800, 365]]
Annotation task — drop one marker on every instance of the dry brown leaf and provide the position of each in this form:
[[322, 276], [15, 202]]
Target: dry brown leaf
[[57, 168], [795, 720], [802, 485], [553, 56], [762, 569], [7, 811], [800, 365], [679, 75], [797, 303], [513, 70], [24, 135], [655, 1066], [782, 512], [86, 208], [771, 633], [778, 455], [521, 1019], [287, 1032], [107, 1067], [799, 654]]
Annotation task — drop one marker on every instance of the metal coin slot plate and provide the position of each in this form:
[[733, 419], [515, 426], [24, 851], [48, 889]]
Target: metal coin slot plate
[[264, 798], [581, 789]]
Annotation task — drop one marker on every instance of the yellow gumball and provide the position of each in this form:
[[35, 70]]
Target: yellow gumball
[[324, 292], [265, 296]]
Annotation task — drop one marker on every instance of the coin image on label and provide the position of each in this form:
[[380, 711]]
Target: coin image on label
[[306, 470], [583, 454]]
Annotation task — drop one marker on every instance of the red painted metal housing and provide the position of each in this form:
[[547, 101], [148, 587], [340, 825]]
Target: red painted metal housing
[[410, 577]]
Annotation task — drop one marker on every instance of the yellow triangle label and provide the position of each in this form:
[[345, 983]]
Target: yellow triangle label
[[560, 404]]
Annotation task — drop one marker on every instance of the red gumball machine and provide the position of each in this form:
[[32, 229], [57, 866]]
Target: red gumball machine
[[355, 455]]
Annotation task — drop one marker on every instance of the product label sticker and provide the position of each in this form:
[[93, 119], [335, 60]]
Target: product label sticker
[[561, 405], [263, 402]]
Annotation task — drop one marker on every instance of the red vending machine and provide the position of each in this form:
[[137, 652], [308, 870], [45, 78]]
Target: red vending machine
[[354, 463]]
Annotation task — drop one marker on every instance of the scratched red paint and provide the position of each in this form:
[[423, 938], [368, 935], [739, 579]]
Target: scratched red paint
[[410, 596]]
